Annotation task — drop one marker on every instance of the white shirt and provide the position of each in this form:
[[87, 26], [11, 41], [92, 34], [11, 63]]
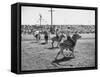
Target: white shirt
[[36, 32]]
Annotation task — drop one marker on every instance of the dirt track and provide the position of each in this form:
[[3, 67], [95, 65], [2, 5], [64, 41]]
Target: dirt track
[[36, 56]]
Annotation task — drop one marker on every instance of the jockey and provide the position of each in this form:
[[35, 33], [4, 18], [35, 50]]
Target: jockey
[[46, 36], [36, 33], [68, 36], [57, 32]]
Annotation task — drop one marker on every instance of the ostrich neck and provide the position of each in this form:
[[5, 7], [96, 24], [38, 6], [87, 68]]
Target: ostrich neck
[[60, 38], [74, 40]]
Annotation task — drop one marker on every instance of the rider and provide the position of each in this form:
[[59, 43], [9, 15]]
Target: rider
[[46, 36], [57, 32], [68, 36], [37, 34]]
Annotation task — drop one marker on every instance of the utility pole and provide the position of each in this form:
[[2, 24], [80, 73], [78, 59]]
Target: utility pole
[[40, 19], [52, 28], [51, 16]]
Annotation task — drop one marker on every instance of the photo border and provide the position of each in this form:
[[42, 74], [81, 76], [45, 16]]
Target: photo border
[[54, 6]]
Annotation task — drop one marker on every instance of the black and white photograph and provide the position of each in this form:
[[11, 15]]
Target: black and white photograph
[[57, 38]]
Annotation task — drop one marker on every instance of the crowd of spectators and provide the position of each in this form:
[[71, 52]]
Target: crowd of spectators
[[29, 29]]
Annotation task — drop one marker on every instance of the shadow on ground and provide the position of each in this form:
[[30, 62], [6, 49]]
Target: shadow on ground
[[59, 61]]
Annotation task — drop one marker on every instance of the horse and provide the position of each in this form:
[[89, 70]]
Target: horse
[[57, 39], [68, 44]]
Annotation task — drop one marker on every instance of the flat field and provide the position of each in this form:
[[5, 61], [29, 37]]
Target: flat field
[[39, 56]]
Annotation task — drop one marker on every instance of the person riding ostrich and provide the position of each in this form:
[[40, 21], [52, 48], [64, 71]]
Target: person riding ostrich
[[58, 38], [46, 36], [57, 32], [69, 43], [37, 35]]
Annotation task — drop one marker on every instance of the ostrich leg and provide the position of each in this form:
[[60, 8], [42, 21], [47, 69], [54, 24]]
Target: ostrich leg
[[60, 52], [72, 49], [58, 44], [52, 44]]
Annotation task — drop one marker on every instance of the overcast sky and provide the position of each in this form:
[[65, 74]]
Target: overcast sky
[[30, 16]]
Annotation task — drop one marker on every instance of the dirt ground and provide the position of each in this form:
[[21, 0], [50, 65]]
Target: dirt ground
[[39, 56]]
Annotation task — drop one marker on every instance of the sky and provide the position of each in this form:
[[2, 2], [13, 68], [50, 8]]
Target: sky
[[30, 16]]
